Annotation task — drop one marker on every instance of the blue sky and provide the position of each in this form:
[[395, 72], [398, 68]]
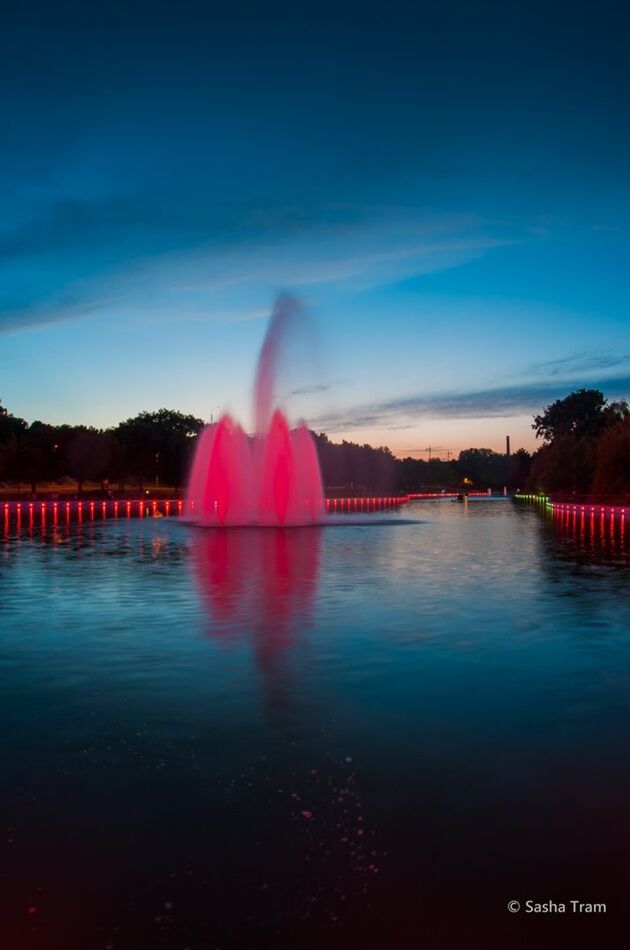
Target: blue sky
[[445, 189]]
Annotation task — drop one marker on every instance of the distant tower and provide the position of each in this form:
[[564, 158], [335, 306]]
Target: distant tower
[[507, 446]]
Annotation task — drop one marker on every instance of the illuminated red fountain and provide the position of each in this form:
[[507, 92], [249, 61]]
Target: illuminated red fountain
[[272, 478]]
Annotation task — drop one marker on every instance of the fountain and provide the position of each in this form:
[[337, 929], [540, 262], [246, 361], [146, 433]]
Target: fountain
[[271, 478]]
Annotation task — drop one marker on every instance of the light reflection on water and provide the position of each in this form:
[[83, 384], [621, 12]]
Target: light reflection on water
[[285, 737]]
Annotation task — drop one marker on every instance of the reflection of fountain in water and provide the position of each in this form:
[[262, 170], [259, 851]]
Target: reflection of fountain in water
[[272, 479], [260, 584]]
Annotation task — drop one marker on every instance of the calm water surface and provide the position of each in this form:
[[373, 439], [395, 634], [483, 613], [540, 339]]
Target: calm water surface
[[356, 736]]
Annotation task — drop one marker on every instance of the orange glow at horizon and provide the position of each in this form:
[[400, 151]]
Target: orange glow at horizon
[[445, 436]]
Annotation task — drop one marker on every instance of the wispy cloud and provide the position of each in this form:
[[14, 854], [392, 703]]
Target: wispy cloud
[[300, 265], [310, 390], [578, 364], [217, 272], [507, 401], [65, 306]]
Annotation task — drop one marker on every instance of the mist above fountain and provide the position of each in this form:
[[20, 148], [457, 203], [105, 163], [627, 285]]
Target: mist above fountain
[[271, 478]]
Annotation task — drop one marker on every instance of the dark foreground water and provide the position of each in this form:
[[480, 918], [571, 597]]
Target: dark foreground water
[[357, 736]]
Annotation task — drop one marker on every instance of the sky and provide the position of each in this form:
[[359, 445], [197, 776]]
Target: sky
[[445, 187]]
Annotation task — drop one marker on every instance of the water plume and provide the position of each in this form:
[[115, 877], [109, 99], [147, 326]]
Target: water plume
[[272, 478]]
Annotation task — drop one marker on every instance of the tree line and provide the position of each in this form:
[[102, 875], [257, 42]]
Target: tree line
[[585, 448], [148, 449], [585, 445], [156, 448], [346, 465]]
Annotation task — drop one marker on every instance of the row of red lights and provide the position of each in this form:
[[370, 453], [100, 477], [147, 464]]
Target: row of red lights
[[129, 508], [141, 507], [359, 504], [570, 514], [446, 494], [615, 511], [383, 501]]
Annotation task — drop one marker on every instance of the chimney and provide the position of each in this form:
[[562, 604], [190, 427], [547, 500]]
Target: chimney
[[507, 446]]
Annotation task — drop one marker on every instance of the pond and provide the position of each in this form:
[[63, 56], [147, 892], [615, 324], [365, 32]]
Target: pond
[[364, 735]]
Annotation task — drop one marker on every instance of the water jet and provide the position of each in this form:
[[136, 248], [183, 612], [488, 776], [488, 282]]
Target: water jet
[[271, 478]]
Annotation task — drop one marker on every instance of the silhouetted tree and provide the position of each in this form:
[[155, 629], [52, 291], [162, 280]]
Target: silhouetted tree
[[11, 429], [572, 429], [10, 426], [356, 468], [584, 413], [518, 469], [416, 475], [612, 468], [8, 457], [566, 464], [158, 445], [35, 458], [484, 467], [88, 454]]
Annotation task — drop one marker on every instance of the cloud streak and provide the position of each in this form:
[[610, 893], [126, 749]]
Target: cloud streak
[[499, 402], [199, 273], [65, 306], [578, 363], [309, 390]]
